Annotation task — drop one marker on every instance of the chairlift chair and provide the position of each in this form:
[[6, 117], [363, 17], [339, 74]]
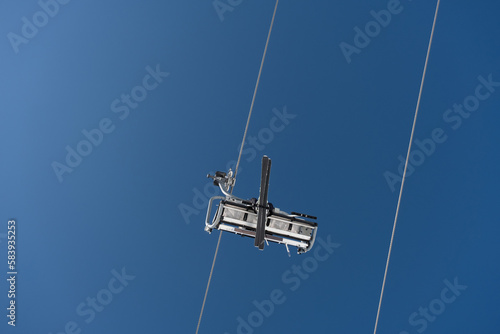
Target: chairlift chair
[[257, 218]]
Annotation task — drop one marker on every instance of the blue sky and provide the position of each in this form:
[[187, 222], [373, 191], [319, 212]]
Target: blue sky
[[106, 247]]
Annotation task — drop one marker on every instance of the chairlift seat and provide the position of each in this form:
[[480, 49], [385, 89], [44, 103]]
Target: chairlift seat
[[241, 217]]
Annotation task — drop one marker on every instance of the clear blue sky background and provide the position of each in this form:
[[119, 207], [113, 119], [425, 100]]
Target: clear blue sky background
[[120, 207]]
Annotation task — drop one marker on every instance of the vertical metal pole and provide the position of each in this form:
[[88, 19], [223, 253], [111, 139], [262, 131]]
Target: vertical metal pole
[[262, 208]]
